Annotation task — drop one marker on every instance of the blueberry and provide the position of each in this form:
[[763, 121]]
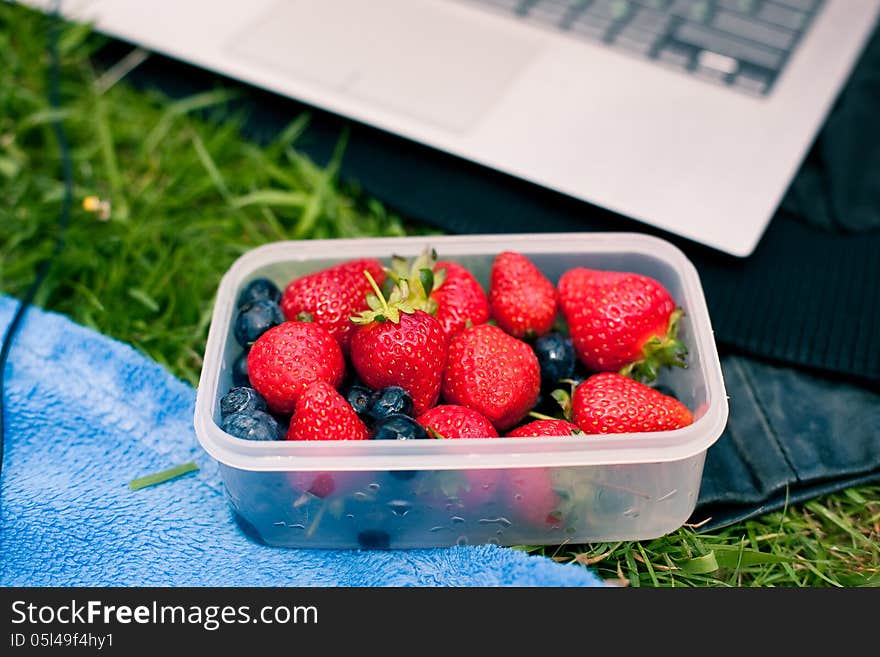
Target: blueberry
[[359, 398], [556, 358], [254, 319], [374, 539], [259, 288], [398, 427], [241, 399], [239, 370], [392, 400], [254, 425]]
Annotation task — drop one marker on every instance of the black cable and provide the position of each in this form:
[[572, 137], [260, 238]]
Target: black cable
[[43, 268]]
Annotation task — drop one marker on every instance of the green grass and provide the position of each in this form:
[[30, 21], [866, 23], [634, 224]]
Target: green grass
[[188, 195]]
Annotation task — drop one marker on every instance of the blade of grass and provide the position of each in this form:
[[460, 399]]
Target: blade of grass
[[707, 563], [839, 522], [182, 107], [310, 215], [161, 477], [108, 153], [271, 197], [208, 162]]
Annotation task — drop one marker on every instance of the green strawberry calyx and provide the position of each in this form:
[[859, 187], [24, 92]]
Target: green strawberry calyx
[[422, 278], [402, 299], [659, 352], [563, 398]]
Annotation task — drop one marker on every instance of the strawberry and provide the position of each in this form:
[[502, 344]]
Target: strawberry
[[319, 484], [621, 321], [455, 297], [612, 403], [451, 421], [321, 413], [327, 484], [288, 358], [540, 428], [493, 373], [398, 344], [461, 301], [522, 300], [530, 495], [330, 296]]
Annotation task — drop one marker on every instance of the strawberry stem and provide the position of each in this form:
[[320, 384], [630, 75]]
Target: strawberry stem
[[376, 289], [322, 509], [380, 309], [659, 352], [434, 433]]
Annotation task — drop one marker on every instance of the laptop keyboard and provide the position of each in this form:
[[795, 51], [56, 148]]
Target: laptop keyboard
[[743, 44]]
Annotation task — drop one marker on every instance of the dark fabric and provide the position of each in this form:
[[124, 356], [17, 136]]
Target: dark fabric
[[837, 187], [797, 320], [790, 436]]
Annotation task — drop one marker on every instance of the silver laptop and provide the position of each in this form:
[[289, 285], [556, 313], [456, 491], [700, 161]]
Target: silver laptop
[[689, 115]]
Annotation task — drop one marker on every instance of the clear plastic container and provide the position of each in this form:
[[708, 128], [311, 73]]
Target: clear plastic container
[[509, 491]]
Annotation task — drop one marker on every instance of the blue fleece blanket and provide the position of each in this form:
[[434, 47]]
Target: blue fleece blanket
[[86, 414]]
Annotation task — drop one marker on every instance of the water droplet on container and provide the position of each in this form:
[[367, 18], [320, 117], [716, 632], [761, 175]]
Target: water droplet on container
[[374, 487], [631, 513], [518, 497], [495, 521], [399, 507], [360, 496], [350, 516], [440, 528], [668, 495], [457, 520], [461, 540]]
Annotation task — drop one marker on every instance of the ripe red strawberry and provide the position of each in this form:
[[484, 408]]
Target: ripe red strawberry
[[545, 428], [321, 413], [396, 344], [288, 358], [332, 295], [460, 298], [452, 421], [612, 403], [530, 495], [522, 300], [327, 484], [493, 373], [621, 322]]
